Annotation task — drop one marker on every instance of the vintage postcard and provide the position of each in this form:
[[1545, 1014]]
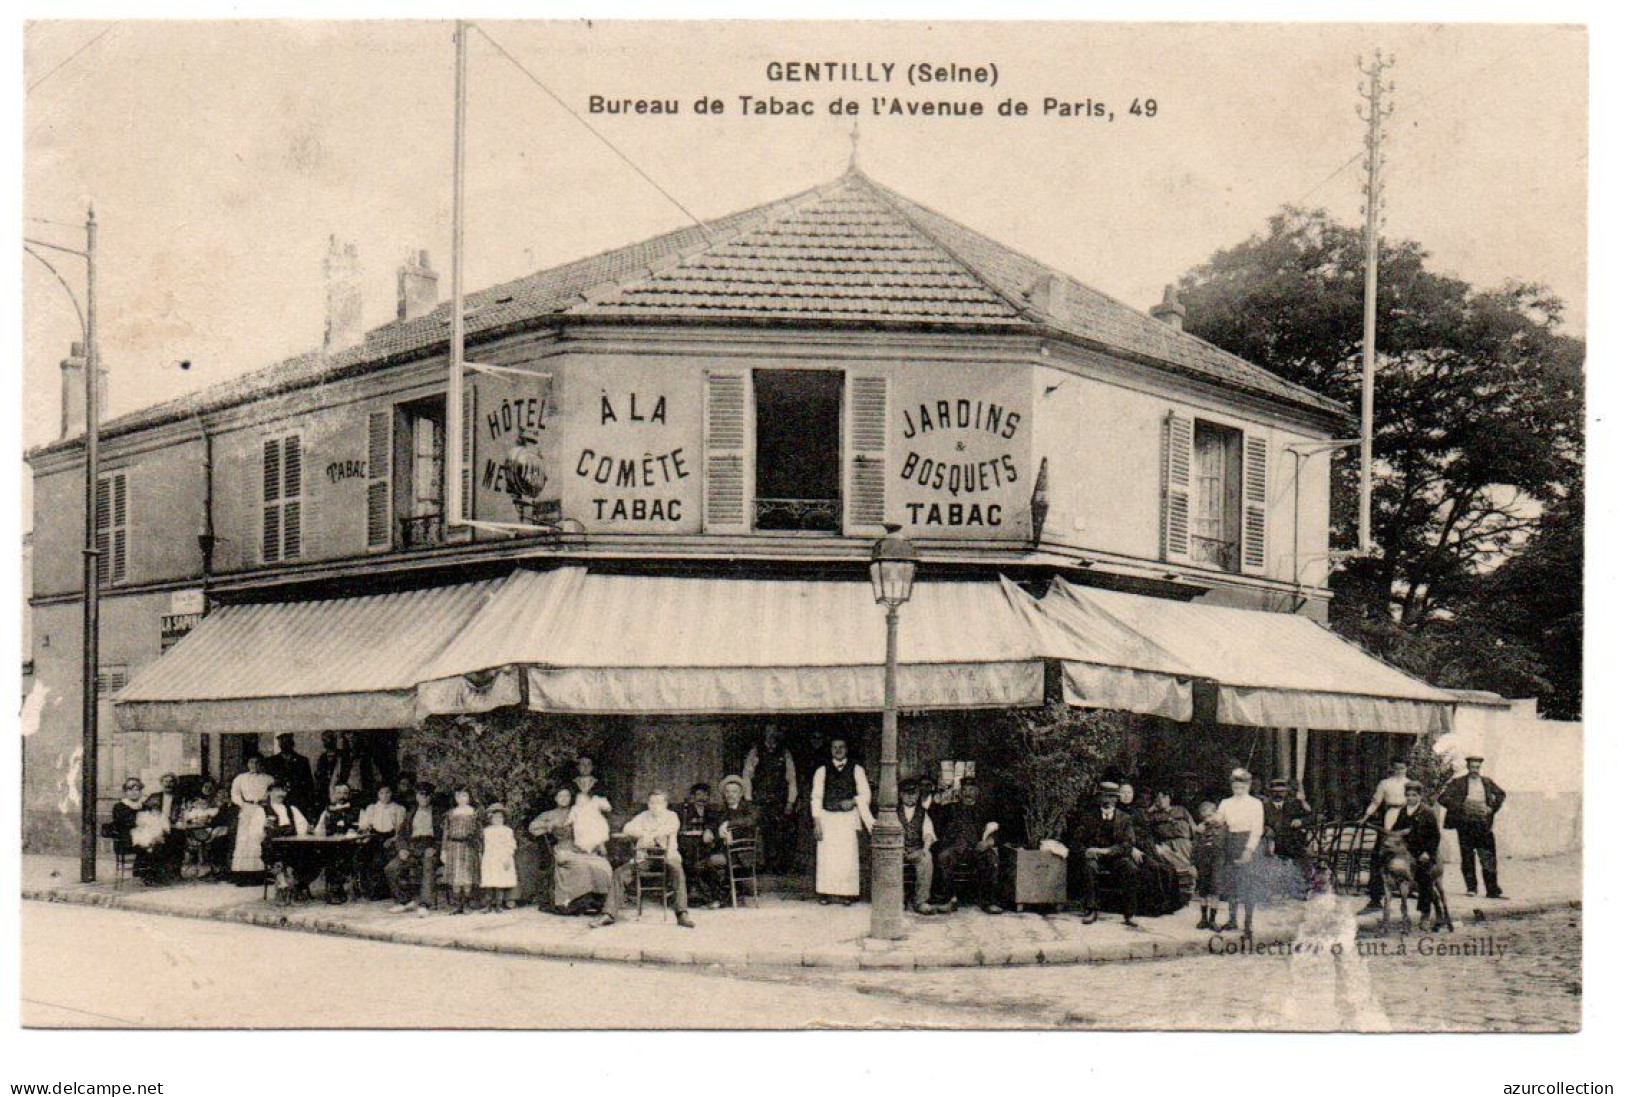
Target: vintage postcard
[[784, 525]]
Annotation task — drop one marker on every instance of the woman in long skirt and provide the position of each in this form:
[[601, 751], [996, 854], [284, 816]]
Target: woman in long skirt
[[577, 873], [1243, 817], [248, 792]]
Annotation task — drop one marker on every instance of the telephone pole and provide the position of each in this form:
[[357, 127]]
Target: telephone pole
[[1373, 112]]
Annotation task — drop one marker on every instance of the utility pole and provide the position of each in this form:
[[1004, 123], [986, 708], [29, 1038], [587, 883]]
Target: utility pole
[[89, 739], [456, 506], [1374, 112]]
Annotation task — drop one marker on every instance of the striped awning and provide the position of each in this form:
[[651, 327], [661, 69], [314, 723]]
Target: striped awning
[[1142, 654], [330, 665], [574, 641]]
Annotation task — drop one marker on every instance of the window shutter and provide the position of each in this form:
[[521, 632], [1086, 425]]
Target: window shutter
[[470, 418], [380, 455], [727, 448], [272, 463], [866, 453], [104, 516], [293, 467], [1177, 445], [271, 536], [120, 532], [1254, 503]]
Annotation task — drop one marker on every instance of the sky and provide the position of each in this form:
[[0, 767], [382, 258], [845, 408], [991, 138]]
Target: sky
[[221, 157]]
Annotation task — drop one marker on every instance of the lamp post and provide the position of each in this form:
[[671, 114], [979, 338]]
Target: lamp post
[[92, 629], [892, 574]]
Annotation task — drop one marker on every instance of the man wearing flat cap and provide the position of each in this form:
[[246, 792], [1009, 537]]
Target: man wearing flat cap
[[1388, 800], [1104, 841], [1286, 824], [1470, 804], [1420, 826], [919, 835]]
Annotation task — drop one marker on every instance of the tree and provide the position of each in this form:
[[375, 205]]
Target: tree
[[512, 754], [1057, 754], [1479, 425]]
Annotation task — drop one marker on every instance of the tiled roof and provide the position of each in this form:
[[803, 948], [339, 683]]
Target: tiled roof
[[851, 251]]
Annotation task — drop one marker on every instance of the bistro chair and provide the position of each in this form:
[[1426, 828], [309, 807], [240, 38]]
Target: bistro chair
[[123, 856], [649, 877], [1345, 848], [743, 855]]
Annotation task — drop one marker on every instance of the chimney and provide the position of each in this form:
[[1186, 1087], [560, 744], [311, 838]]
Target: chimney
[[417, 287], [73, 391], [342, 271], [1048, 294], [1170, 310]]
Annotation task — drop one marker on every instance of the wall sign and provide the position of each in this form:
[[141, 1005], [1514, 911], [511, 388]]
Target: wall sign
[[962, 453]]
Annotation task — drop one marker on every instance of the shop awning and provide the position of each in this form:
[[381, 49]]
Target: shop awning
[[572, 641], [1141, 654], [331, 665]]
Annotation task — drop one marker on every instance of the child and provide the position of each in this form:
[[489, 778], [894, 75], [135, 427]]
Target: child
[[459, 851], [1206, 854], [497, 871]]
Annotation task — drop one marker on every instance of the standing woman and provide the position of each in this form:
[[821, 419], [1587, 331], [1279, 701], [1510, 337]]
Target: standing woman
[[840, 809], [1242, 815], [460, 850], [248, 793]]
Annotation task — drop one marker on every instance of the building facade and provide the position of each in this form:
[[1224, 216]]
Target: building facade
[[758, 396]]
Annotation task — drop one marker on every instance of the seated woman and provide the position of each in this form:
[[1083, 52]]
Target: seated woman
[[293, 870], [208, 823], [121, 828], [1160, 885], [1173, 832], [576, 838], [380, 821]]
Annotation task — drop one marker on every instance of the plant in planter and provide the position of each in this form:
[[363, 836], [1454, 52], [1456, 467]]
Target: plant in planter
[[1056, 755]]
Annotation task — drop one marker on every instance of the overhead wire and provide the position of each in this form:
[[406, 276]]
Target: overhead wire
[[66, 60]]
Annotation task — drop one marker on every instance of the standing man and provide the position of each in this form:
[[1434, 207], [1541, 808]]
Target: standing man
[[1470, 803], [840, 809], [770, 783], [331, 768], [292, 769], [1286, 823], [1389, 799]]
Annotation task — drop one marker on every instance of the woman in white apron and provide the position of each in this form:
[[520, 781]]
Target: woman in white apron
[[248, 791]]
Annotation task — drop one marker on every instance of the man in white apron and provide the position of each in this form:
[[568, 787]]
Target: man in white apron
[[840, 808]]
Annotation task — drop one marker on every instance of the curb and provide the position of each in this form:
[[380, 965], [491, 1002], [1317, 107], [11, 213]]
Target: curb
[[825, 957]]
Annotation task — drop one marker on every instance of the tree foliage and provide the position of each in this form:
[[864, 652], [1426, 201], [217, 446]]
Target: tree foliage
[[512, 754], [1058, 753], [1479, 431]]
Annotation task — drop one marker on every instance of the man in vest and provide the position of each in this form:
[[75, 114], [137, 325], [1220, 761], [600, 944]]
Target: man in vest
[[1470, 803], [840, 809], [919, 835], [770, 783], [1386, 803]]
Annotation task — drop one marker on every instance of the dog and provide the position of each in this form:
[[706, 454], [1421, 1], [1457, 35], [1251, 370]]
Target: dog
[[1398, 880]]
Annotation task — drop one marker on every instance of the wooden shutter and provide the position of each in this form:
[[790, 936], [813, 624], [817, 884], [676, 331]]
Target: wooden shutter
[[728, 494], [866, 411], [380, 470], [1254, 503], [121, 529], [112, 531], [470, 418], [1178, 442], [293, 482], [271, 501]]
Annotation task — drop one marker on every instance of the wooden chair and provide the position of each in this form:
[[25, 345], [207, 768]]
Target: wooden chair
[[649, 876], [123, 855], [743, 855]]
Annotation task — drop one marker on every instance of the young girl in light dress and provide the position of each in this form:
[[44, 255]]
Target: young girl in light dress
[[497, 870]]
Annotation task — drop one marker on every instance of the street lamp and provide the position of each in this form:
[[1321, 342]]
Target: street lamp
[[92, 630], [892, 574]]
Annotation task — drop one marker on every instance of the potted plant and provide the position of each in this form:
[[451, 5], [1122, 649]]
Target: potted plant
[[1057, 753]]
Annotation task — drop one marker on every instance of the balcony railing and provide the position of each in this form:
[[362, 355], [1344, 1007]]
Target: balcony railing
[[799, 515], [423, 531], [1216, 551]]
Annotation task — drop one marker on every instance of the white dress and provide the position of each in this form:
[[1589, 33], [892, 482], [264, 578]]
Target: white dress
[[496, 857], [838, 848], [248, 791]]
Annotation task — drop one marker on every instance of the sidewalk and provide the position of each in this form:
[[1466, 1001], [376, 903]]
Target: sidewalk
[[781, 933]]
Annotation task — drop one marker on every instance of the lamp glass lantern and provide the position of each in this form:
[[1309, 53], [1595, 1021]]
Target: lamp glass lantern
[[891, 571]]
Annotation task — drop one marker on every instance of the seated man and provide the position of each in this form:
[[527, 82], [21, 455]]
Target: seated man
[[919, 835], [1104, 839], [697, 841], [970, 833], [737, 820], [293, 869], [340, 817], [655, 830]]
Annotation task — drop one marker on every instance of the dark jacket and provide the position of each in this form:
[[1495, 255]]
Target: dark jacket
[[1454, 799], [1421, 831], [1095, 831]]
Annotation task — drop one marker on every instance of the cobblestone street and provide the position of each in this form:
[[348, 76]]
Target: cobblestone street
[[1506, 975]]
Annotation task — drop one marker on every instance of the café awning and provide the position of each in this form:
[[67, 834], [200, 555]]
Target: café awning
[[570, 640], [1142, 654], [323, 665]]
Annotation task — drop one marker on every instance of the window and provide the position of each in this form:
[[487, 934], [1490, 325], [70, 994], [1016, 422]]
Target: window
[[420, 499], [1216, 517], [798, 450], [112, 529], [282, 480], [111, 678]]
